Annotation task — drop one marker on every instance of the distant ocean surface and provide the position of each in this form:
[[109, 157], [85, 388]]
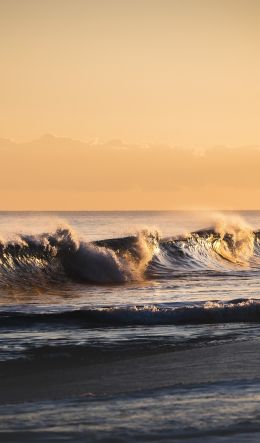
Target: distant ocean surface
[[118, 281]]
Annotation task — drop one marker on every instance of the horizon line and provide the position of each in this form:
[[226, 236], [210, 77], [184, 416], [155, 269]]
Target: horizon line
[[127, 210]]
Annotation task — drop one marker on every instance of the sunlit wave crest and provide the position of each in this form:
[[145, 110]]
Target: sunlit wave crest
[[59, 256]]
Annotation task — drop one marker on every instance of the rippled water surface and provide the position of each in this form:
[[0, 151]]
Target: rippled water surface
[[127, 280], [48, 268]]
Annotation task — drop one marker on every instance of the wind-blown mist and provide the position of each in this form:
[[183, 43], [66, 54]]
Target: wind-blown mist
[[116, 175]]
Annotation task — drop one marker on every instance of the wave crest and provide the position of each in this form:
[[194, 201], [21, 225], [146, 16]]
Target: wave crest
[[60, 255]]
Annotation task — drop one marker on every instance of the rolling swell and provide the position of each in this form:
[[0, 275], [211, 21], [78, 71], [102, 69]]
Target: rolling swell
[[60, 256], [234, 311]]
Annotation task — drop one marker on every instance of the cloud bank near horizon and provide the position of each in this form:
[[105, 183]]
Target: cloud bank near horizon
[[60, 173]]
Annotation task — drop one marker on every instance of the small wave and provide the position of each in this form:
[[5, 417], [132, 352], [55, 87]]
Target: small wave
[[235, 311]]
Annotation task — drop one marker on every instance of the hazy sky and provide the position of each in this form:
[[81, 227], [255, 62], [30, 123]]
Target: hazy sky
[[184, 72], [149, 72], [60, 173]]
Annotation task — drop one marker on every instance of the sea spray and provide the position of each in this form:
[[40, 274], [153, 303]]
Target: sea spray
[[34, 257], [60, 255], [236, 242]]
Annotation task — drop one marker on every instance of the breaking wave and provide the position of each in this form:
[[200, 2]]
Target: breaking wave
[[60, 256]]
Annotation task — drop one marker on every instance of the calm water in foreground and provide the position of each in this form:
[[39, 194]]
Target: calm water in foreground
[[168, 283]]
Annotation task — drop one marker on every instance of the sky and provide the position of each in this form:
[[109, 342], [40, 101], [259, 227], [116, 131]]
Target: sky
[[123, 73]]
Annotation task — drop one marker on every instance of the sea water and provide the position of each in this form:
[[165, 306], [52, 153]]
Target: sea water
[[121, 281]]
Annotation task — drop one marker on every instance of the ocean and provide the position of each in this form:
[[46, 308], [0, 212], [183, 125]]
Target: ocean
[[130, 326]]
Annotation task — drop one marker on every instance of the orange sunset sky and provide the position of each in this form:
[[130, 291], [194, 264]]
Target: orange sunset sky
[[126, 104]]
